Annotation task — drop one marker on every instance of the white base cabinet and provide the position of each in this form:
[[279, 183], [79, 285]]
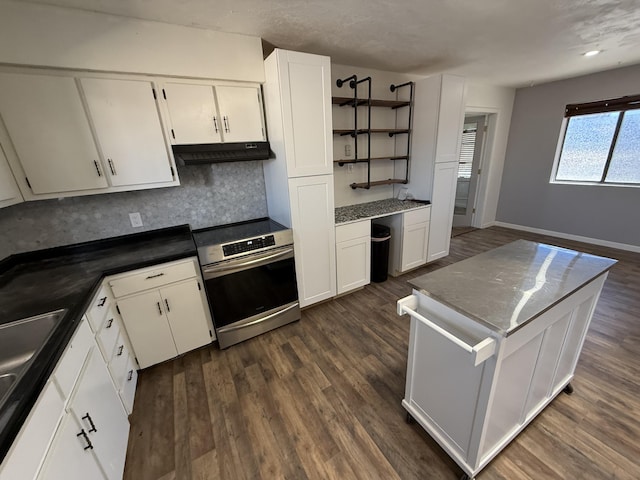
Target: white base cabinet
[[353, 255], [445, 178], [164, 310], [472, 389]]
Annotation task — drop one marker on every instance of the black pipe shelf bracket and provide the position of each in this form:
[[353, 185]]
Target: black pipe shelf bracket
[[368, 102]]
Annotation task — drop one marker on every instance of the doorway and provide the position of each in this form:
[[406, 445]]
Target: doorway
[[473, 135]]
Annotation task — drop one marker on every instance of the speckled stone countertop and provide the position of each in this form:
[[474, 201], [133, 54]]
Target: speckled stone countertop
[[67, 277], [511, 285], [379, 208]]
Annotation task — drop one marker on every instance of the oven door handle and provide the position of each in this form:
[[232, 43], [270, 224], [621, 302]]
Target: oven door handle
[[243, 264], [259, 320]]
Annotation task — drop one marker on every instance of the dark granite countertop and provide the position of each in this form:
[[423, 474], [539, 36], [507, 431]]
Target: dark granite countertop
[[67, 277], [507, 287], [376, 209]]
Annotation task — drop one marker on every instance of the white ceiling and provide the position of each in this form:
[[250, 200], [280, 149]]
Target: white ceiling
[[501, 42]]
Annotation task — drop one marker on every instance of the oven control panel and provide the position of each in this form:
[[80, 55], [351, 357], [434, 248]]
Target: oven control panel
[[248, 245]]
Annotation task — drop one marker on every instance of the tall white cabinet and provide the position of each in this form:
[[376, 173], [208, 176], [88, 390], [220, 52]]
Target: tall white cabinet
[[299, 181], [435, 149]]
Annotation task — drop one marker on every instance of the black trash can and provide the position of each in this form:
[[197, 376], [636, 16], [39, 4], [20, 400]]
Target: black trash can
[[380, 239]]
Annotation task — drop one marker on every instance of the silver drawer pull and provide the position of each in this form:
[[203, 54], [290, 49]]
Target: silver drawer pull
[[155, 276]]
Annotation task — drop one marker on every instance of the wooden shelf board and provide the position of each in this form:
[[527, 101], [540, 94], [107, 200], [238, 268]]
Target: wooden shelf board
[[364, 160], [391, 181], [342, 101], [362, 131]]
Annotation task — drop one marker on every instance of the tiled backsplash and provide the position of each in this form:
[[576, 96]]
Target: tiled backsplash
[[208, 195]]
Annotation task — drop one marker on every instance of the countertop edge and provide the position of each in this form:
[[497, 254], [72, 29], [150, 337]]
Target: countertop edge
[[57, 343], [373, 217]]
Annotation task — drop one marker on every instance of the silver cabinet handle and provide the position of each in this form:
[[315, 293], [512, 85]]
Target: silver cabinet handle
[[226, 124], [215, 123]]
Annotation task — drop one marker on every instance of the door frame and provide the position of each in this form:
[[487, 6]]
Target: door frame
[[479, 146]]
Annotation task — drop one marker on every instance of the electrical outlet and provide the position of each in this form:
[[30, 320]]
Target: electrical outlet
[[349, 168], [347, 150], [136, 219]]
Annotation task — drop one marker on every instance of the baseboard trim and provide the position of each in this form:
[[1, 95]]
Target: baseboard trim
[[568, 236]]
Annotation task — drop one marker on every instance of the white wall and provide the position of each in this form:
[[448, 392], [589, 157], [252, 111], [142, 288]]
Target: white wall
[[51, 36], [381, 144], [498, 103]]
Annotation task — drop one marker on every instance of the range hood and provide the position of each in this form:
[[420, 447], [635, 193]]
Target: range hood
[[221, 152]]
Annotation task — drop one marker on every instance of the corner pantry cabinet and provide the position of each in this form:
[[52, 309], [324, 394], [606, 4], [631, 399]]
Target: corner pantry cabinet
[[213, 113], [66, 134], [299, 180]]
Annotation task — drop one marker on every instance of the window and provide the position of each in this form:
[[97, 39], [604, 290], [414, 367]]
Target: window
[[601, 143]]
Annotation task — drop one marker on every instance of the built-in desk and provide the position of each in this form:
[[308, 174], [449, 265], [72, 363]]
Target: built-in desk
[[409, 224]]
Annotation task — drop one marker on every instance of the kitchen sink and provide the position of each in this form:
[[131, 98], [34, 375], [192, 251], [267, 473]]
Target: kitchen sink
[[20, 341]]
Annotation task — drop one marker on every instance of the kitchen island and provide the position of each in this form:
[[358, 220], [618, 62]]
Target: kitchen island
[[493, 340]]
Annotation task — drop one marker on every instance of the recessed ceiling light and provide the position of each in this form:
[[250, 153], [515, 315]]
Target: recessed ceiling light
[[591, 53]]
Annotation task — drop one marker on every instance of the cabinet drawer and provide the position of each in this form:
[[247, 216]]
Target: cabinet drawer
[[108, 333], [417, 216], [351, 231], [118, 362], [73, 358], [128, 389], [152, 278], [99, 307]]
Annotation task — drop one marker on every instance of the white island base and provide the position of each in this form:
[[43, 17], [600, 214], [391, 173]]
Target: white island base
[[474, 389]]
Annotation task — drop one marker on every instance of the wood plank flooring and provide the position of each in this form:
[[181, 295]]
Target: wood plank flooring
[[320, 398]]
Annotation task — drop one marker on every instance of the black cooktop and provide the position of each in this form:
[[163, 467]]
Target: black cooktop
[[233, 232]]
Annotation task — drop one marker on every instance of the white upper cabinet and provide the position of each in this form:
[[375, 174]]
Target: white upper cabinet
[[241, 112], [298, 102], [127, 124], [208, 113], [9, 191], [49, 131], [450, 119], [192, 109]]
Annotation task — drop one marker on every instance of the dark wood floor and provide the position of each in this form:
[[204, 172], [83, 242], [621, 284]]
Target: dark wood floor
[[321, 398]]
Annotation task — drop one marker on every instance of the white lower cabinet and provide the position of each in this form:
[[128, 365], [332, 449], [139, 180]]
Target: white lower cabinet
[[68, 457], [409, 239], [96, 406], [445, 177], [164, 311], [313, 224], [353, 255]]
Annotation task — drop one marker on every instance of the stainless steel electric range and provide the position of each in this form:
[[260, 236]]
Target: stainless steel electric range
[[250, 277]]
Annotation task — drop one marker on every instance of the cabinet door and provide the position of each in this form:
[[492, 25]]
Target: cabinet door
[[128, 390], [415, 239], [450, 119], [147, 327], [49, 130], [312, 220], [307, 116], [241, 112], [96, 404], [67, 458], [127, 124], [186, 315], [353, 263], [442, 202], [192, 109], [9, 192]]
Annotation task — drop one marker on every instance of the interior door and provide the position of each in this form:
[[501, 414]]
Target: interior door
[[50, 132], [127, 124], [241, 113], [468, 166]]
